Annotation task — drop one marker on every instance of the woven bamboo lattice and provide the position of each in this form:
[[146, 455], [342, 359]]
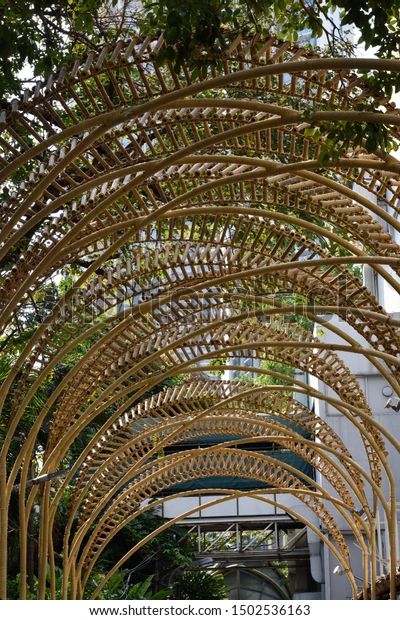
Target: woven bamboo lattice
[[204, 233]]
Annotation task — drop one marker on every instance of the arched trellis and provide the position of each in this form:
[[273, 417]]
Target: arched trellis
[[326, 365], [158, 445], [227, 494], [216, 460], [174, 338], [306, 454], [180, 403], [185, 201]]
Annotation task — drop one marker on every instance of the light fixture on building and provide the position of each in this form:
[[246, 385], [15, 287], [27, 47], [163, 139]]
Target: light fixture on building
[[391, 405], [387, 391], [360, 512], [339, 570]]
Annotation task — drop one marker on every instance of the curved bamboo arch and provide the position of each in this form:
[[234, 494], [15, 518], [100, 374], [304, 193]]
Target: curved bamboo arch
[[193, 209], [97, 380], [183, 400], [209, 426], [158, 446], [334, 369], [216, 461], [246, 399], [116, 361], [326, 365], [227, 495], [336, 208], [223, 424], [391, 347]]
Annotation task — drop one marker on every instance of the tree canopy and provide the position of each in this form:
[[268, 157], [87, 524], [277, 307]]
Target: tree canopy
[[36, 36]]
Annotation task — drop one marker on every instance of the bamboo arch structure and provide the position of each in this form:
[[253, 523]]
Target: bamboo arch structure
[[204, 232]]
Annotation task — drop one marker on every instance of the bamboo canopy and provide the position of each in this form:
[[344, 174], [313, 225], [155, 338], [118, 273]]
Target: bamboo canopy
[[204, 232]]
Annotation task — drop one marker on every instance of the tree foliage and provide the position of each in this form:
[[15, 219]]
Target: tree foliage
[[200, 585], [39, 35]]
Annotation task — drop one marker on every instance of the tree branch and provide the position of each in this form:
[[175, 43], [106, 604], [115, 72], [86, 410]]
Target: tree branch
[[61, 473]]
